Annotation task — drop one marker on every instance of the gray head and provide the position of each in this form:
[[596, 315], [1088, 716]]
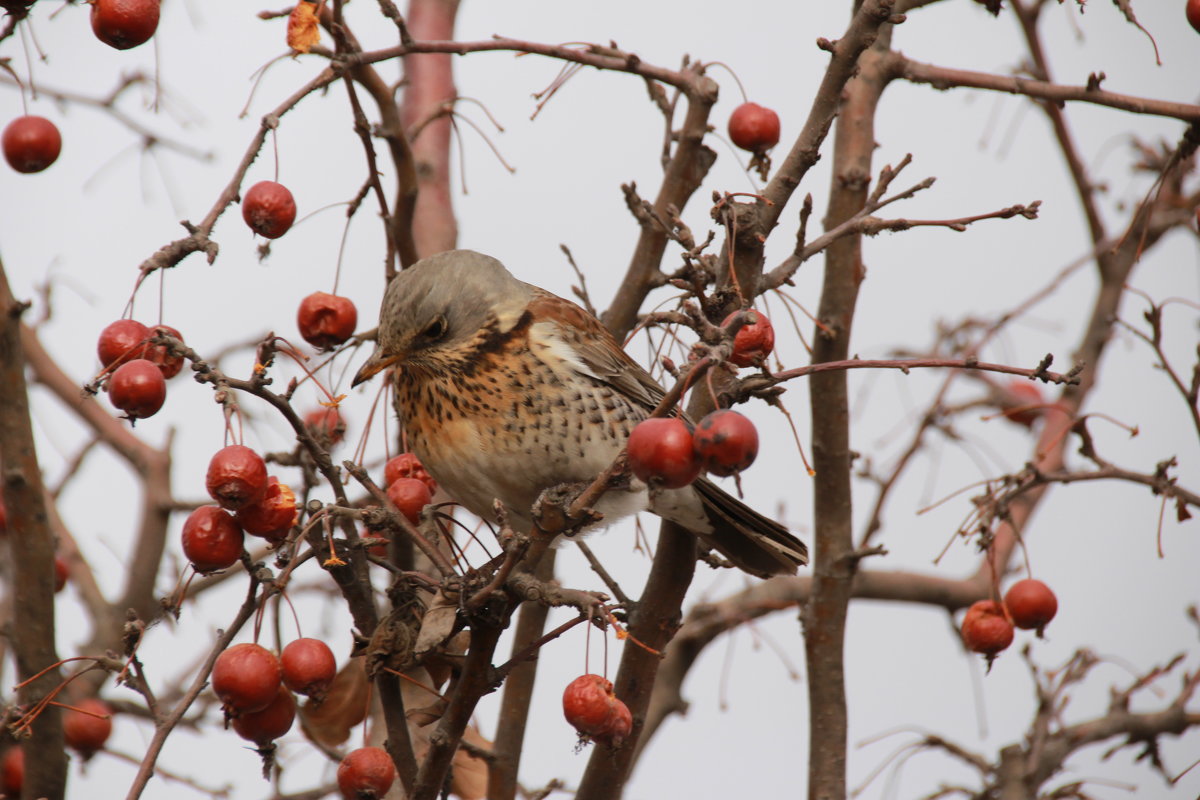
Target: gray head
[[439, 305]]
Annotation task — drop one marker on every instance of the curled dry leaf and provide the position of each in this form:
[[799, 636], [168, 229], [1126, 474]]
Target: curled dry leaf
[[469, 780], [330, 721], [392, 643], [303, 30], [440, 623]]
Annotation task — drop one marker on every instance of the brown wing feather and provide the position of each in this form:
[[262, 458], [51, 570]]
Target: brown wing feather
[[755, 543], [597, 348]]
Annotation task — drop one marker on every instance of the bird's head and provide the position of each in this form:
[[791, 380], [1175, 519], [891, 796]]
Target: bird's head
[[435, 311]]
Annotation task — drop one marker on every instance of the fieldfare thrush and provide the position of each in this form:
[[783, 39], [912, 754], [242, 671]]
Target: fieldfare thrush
[[506, 390]]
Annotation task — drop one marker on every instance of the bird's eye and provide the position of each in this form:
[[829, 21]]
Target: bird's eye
[[436, 329]]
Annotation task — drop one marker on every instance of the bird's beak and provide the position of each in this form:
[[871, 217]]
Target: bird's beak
[[377, 363]]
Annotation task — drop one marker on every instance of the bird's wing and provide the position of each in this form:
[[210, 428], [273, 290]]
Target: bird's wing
[[596, 352]]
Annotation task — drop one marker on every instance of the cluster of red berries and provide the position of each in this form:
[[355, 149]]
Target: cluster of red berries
[[987, 627], [255, 687], [410, 488], [139, 370], [248, 501], [591, 706], [667, 452], [256, 690]]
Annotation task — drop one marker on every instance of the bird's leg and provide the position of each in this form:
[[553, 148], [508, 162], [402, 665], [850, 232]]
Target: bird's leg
[[555, 511]]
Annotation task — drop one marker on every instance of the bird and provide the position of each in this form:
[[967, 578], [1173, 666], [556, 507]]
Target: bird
[[506, 390]]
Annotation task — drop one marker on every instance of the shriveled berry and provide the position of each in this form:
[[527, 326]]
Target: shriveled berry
[[308, 667], [661, 450], [365, 774], [619, 726], [326, 320], [160, 354], [237, 477], [726, 442], [273, 515], [407, 465], [986, 628], [30, 143], [212, 539], [87, 726], [138, 388], [268, 724], [246, 677], [589, 704], [754, 341], [269, 209]]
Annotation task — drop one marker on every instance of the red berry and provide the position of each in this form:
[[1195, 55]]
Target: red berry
[[1031, 604], [407, 465], [237, 477], [754, 341], [160, 356], [589, 704], [619, 726], [1023, 402], [3, 518], [123, 340], [986, 628], [246, 677], [61, 574], [87, 726], [31, 143], [326, 320], [265, 726], [379, 550], [410, 496], [754, 128], [326, 425], [138, 388], [365, 774], [272, 516], [1193, 13], [124, 23], [269, 209], [660, 450], [308, 667], [212, 539], [12, 771], [726, 442]]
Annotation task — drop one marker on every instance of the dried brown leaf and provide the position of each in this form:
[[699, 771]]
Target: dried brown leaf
[[330, 721], [303, 30]]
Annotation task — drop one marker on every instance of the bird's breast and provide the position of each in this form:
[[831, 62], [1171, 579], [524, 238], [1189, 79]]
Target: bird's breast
[[518, 422]]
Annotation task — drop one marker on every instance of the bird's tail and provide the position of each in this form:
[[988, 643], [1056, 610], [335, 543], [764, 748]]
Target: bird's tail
[[755, 543]]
